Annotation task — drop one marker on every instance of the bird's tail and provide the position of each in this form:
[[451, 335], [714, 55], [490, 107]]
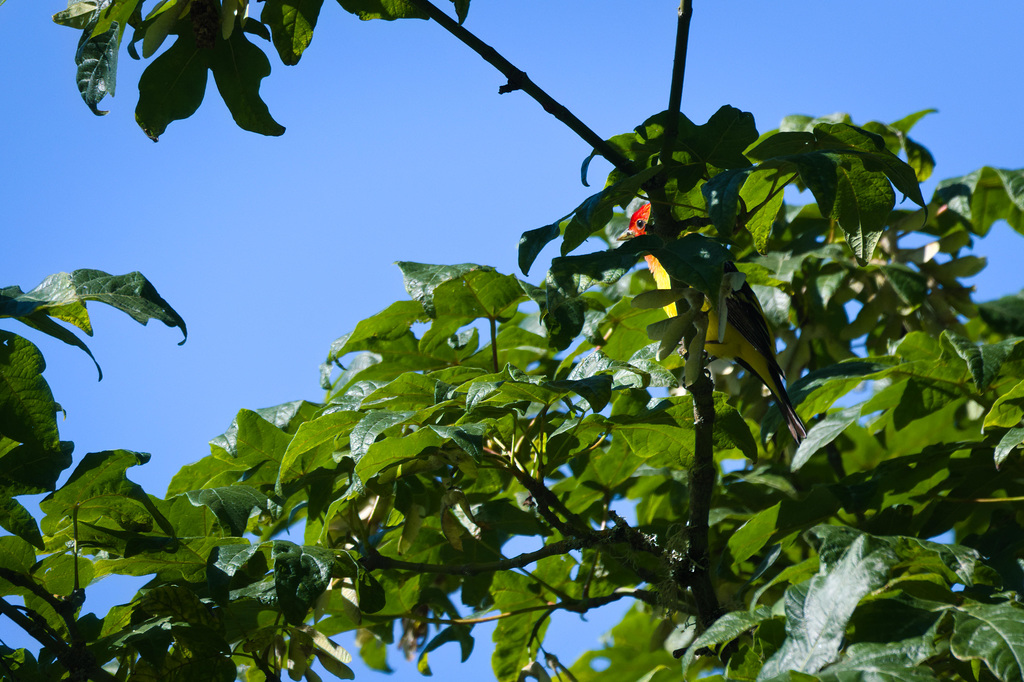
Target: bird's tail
[[796, 426], [776, 384]]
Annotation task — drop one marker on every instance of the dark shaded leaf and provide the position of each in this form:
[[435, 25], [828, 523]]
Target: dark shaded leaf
[[172, 86], [1005, 315], [532, 242], [301, 574], [28, 412], [238, 68]]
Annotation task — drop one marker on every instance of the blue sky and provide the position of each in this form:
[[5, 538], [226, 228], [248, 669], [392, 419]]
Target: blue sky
[[399, 148]]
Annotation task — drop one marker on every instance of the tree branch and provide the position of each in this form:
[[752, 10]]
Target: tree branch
[[664, 224], [702, 482], [518, 80], [375, 560], [675, 93], [547, 503], [574, 605], [75, 659]]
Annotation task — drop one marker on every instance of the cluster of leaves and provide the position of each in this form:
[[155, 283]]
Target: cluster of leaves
[[490, 450], [209, 36]]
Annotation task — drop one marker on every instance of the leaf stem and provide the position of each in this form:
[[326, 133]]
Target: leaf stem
[[518, 80]]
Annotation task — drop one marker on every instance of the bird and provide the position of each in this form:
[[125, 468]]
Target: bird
[[747, 339]]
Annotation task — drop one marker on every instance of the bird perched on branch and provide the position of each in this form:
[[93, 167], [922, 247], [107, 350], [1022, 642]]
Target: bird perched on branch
[[746, 337]]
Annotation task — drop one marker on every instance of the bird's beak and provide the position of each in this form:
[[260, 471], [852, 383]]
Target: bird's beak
[[625, 236]]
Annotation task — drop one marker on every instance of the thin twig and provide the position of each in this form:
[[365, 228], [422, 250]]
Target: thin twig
[[518, 80]]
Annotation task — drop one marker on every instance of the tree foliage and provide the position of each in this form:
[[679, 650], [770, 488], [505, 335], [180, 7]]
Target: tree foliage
[[492, 449]]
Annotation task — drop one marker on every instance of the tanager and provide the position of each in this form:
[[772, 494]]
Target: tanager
[[747, 338]]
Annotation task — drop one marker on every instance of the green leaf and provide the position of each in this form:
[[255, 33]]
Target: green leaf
[[461, 9], [763, 194], [421, 279], [382, 9], [372, 425], [373, 333], [280, 416], [726, 629], [1005, 315], [779, 520], [983, 361], [469, 437], [131, 293], [261, 447], [477, 293], [871, 149], [178, 603], [238, 68], [722, 194], [96, 60], [777, 143], [99, 493], [172, 86], [863, 202], [63, 296], [664, 436], [291, 23], [119, 12], [532, 242], [234, 505], [910, 285], [77, 15], [1008, 409], [824, 432], [391, 451], [334, 658], [29, 469], [910, 120], [720, 142], [1011, 440], [452, 633], [327, 429], [514, 592], [993, 633], [985, 196], [28, 412], [17, 520], [301, 574], [224, 562], [817, 611], [159, 24]]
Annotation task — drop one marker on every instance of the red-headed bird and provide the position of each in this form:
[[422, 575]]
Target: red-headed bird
[[747, 339]]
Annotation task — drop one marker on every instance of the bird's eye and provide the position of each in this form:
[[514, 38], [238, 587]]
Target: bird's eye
[[641, 224]]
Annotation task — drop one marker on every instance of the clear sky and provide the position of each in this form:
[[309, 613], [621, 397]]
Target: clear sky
[[398, 147]]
